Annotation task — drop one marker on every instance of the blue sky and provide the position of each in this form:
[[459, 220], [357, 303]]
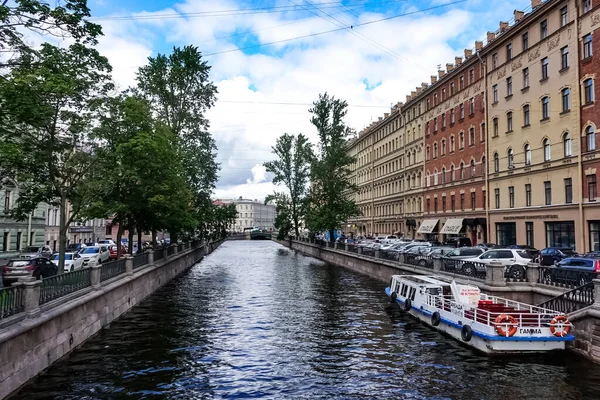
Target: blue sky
[[266, 91]]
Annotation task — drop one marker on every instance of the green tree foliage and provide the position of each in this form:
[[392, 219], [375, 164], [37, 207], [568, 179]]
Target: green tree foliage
[[283, 218], [329, 202], [223, 217], [45, 126], [292, 169]]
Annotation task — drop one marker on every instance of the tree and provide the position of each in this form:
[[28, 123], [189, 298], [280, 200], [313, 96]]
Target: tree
[[45, 126], [179, 91], [292, 169], [330, 203], [283, 218]]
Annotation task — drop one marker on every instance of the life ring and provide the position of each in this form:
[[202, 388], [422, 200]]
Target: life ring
[[435, 318], [393, 297], [506, 321], [407, 305], [560, 326], [466, 333]]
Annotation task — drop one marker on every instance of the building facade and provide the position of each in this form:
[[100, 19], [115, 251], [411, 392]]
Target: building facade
[[78, 232], [18, 234], [251, 213], [507, 132]]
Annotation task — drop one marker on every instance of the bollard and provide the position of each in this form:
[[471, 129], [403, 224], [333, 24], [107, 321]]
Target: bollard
[[151, 258], [376, 254], [95, 273], [437, 264], [129, 265], [359, 250], [176, 249], [346, 247], [31, 298], [494, 274], [533, 273]]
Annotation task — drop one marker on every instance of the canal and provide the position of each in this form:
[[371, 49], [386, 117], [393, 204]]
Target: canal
[[255, 320]]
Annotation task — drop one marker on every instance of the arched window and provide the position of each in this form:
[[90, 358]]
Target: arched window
[[444, 175], [443, 149], [588, 91], [435, 177], [483, 166], [427, 180], [452, 144], [545, 107], [566, 99], [511, 158], [435, 150], [547, 152], [590, 138], [496, 162], [473, 173], [567, 144], [462, 170], [527, 154]]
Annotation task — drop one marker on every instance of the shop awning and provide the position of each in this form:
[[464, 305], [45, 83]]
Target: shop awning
[[427, 226], [452, 226], [411, 222]]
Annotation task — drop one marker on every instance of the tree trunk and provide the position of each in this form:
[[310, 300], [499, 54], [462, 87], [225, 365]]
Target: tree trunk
[[62, 234], [173, 237], [332, 235], [154, 239], [296, 228], [139, 240], [119, 238], [131, 228]]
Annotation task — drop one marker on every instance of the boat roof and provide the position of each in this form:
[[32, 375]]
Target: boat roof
[[422, 280]]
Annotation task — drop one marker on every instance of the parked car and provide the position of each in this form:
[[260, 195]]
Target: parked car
[[486, 246], [533, 252], [98, 253], [73, 261], [75, 247], [514, 262], [458, 242], [36, 251], [575, 271], [107, 242], [113, 251], [554, 255], [452, 259], [390, 239], [426, 259], [38, 267]]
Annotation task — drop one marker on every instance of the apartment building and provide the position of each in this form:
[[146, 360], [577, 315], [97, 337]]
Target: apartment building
[[18, 234], [251, 213]]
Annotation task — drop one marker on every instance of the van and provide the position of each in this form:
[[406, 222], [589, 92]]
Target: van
[[458, 242]]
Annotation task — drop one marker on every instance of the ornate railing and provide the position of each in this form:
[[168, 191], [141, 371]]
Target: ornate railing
[[556, 276], [352, 248], [465, 268], [388, 255], [171, 250], [140, 260], [159, 254], [60, 285], [11, 301], [112, 269], [180, 247], [572, 300]]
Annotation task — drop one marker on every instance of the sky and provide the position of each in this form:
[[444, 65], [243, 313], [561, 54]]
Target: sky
[[265, 88]]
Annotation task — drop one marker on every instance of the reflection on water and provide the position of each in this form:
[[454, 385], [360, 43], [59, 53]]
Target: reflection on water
[[256, 320]]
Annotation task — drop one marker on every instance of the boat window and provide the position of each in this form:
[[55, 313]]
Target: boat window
[[397, 287], [404, 290], [447, 291], [413, 291], [433, 291]]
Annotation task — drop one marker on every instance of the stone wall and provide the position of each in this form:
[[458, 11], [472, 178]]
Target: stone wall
[[29, 347]]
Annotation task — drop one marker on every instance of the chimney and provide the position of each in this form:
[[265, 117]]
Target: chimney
[[478, 45], [441, 73], [433, 79], [380, 118], [408, 98], [535, 4], [419, 89], [457, 61], [424, 85], [491, 36], [468, 53], [399, 104], [385, 115], [503, 26], [518, 15], [413, 93], [449, 67]]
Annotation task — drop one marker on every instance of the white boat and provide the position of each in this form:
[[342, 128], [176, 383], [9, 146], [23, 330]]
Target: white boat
[[487, 323]]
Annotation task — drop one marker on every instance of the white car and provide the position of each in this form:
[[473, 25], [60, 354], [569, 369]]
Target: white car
[[98, 253], [73, 261], [514, 260], [106, 242]]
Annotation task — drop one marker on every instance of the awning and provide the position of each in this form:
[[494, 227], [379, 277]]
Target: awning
[[469, 221], [452, 226], [427, 226], [411, 222], [480, 221]]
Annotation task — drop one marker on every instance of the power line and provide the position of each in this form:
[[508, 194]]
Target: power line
[[337, 30]]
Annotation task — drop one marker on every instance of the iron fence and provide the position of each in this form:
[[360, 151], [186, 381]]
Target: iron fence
[[180, 247], [352, 248], [424, 261], [465, 268], [556, 276], [572, 300], [11, 301], [140, 260], [389, 255], [60, 285], [112, 269], [171, 250], [159, 254]]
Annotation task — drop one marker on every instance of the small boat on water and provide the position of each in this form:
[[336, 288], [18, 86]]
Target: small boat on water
[[487, 323]]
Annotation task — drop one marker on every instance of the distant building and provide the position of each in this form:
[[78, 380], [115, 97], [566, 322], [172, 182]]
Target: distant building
[[251, 213], [18, 234]]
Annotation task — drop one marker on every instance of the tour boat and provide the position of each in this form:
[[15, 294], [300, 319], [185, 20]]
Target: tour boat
[[487, 323]]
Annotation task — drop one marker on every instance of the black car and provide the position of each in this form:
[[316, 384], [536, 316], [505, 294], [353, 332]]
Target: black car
[[532, 251], [37, 267], [554, 255]]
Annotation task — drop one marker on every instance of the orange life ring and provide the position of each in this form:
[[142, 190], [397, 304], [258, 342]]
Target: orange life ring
[[508, 322], [562, 323]]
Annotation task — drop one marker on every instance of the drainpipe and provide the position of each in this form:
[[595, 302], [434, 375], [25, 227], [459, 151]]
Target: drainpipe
[[487, 141], [578, 130], [28, 230]]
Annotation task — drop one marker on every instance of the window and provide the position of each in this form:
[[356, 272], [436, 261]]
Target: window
[[435, 99], [472, 137], [452, 173], [443, 177], [495, 122], [525, 78], [461, 140], [590, 138], [526, 120], [462, 201], [473, 200], [544, 68], [494, 60], [560, 234], [443, 149], [509, 121], [563, 16], [568, 190], [7, 200], [527, 154], [544, 29], [592, 188], [443, 203], [443, 94], [511, 197], [564, 58], [566, 99], [547, 151], [497, 197], [461, 82], [443, 120], [529, 234], [587, 46], [452, 116], [506, 233], [548, 192], [483, 166], [428, 204], [587, 5], [508, 51], [435, 205], [427, 105], [545, 107], [525, 40], [495, 92], [509, 86], [511, 158], [528, 194], [471, 75], [435, 150], [462, 171], [435, 124], [452, 203], [462, 111], [588, 91], [496, 162], [472, 106], [473, 171], [567, 145], [451, 88]]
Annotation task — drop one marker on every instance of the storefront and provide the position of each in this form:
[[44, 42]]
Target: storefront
[[427, 229], [594, 233], [506, 233], [560, 234]]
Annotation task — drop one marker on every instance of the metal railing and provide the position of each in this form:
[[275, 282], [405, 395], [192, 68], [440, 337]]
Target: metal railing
[[60, 285], [11, 301], [572, 300], [140, 260], [180, 247], [464, 268], [555, 276], [171, 250], [159, 254], [352, 248], [388, 255], [112, 269]]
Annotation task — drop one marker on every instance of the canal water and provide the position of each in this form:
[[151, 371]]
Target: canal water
[[255, 320]]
